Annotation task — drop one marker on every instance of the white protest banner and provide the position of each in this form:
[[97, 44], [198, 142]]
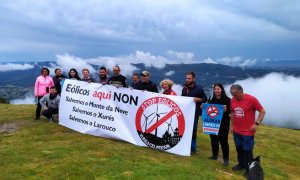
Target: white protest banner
[[138, 117]]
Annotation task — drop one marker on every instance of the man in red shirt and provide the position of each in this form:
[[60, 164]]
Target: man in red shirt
[[243, 124]]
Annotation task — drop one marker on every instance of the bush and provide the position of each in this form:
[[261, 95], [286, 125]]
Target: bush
[[3, 100]]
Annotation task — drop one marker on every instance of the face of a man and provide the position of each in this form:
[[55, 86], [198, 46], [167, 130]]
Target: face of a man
[[236, 94], [53, 91], [189, 79], [58, 72], [85, 74], [135, 79], [144, 78], [102, 73], [116, 71]]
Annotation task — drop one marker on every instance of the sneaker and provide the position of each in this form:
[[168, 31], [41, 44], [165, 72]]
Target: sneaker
[[237, 168], [226, 162], [51, 120], [213, 157], [193, 151]]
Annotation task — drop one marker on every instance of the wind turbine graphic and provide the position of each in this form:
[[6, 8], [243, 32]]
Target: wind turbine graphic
[[170, 125], [157, 115], [146, 119]]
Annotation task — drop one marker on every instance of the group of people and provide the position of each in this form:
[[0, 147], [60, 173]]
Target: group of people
[[238, 117]]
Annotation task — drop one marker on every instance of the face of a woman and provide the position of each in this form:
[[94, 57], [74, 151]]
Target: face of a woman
[[45, 73], [165, 86], [217, 91], [72, 73]]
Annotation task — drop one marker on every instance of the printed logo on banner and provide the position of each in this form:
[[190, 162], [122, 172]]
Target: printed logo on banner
[[160, 123], [211, 118]]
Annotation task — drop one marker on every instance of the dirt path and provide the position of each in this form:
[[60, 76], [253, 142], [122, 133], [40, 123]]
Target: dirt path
[[10, 127]]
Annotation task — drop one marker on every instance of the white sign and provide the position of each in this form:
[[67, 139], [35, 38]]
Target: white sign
[[139, 117]]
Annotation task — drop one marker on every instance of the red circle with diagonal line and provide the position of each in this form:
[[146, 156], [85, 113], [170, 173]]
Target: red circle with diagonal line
[[146, 134], [212, 111]]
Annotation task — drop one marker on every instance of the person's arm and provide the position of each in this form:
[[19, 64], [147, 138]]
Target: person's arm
[[51, 82], [42, 102], [124, 83], [231, 123], [202, 96], [36, 87], [58, 101], [155, 88], [260, 118]]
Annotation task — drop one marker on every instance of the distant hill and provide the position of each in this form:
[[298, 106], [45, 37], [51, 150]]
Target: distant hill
[[207, 74]]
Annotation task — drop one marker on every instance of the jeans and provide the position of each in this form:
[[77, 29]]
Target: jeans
[[244, 148], [194, 136]]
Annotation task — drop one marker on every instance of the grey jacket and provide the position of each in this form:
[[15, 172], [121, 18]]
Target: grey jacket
[[51, 103]]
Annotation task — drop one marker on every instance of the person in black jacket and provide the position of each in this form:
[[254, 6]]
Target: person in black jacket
[[220, 97], [57, 79], [146, 84], [117, 79], [191, 89], [135, 84]]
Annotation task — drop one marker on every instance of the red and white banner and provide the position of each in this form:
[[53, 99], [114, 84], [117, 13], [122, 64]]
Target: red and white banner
[[139, 117]]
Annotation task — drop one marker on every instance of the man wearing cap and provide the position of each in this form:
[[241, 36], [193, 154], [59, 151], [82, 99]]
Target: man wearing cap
[[146, 84], [117, 79]]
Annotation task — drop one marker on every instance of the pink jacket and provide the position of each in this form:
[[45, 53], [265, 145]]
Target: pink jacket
[[41, 84]]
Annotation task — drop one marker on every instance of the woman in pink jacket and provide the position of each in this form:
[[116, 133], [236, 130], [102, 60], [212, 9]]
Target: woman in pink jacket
[[41, 88]]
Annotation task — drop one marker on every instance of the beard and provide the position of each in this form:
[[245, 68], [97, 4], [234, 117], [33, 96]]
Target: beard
[[52, 96]]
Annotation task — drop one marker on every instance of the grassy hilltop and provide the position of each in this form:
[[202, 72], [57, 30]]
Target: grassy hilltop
[[40, 150]]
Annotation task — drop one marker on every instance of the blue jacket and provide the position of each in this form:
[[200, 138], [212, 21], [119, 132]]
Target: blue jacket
[[195, 91]]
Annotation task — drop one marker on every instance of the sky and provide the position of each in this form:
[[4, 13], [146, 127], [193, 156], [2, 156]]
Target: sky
[[199, 29]]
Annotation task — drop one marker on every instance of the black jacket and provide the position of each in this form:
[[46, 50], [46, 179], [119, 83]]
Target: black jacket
[[149, 86], [56, 80], [195, 91], [119, 81], [135, 85]]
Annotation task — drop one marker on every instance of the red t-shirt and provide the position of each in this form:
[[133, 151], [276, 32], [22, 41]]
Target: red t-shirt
[[243, 113]]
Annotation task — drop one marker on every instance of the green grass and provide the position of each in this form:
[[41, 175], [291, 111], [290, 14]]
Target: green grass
[[41, 150]]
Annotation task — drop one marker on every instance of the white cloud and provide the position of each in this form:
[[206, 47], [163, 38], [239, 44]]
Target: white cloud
[[66, 62], [278, 95], [209, 61], [29, 99], [169, 73], [182, 56], [14, 67], [125, 62], [178, 89], [236, 61]]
